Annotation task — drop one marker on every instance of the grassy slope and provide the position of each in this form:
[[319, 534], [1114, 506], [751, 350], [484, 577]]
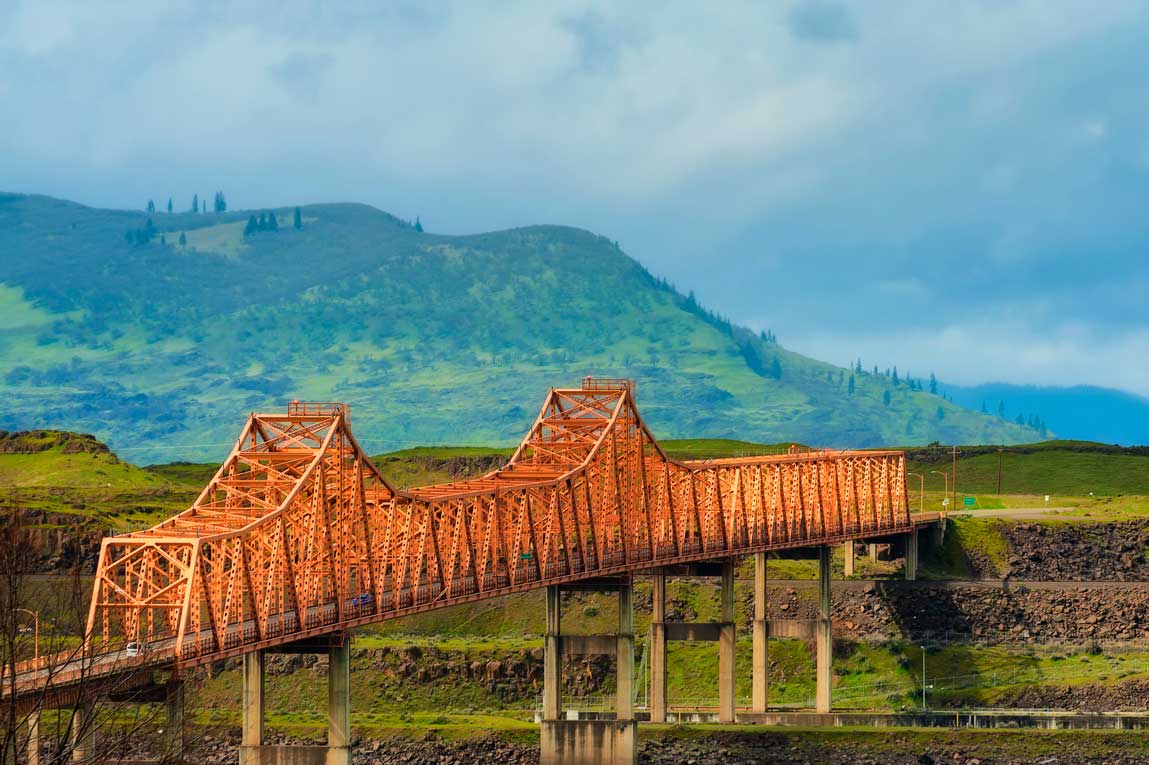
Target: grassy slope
[[430, 338]]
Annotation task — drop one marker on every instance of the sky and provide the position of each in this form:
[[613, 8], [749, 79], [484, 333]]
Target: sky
[[949, 187]]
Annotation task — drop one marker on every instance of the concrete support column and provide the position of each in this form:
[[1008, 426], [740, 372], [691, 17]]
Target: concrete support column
[[658, 651], [911, 567], [174, 732], [252, 735], [339, 704], [759, 679], [726, 677], [824, 636], [624, 659], [34, 739], [552, 657], [848, 551], [873, 550], [83, 733]]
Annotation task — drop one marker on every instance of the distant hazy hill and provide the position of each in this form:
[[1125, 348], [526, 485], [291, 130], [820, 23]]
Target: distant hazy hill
[[1081, 412], [161, 348]]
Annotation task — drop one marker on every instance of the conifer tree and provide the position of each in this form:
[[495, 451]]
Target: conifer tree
[[195, 203], [933, 384], [183, 239], [169, 204], [886, 398], [941, 413], [151, 207], [252, 225], [297, 221], [272, 221], [418, 224], [850, 386]]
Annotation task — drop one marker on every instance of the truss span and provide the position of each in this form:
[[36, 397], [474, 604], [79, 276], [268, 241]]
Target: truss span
[[298, 534]]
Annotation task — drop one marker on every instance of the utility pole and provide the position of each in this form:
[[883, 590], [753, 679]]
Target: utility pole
[[954, 485]]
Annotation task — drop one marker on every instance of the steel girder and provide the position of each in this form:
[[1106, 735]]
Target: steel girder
[[298, 534]]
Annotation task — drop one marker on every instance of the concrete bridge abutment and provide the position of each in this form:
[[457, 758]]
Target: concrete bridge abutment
[[589, 742]]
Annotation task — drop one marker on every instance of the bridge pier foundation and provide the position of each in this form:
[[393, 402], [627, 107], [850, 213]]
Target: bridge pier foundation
[[911, 565], [589, 742], [824, 635], [848, 557], [337, 751]]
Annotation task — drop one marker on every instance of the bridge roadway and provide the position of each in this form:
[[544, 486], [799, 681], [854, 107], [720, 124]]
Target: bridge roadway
[[298, 536]]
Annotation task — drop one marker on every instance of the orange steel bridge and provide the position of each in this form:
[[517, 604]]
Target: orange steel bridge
[[298, 535]]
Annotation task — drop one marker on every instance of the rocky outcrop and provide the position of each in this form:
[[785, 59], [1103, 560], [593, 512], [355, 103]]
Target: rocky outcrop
[[1079, 551], [32, 441], [1074, 614]]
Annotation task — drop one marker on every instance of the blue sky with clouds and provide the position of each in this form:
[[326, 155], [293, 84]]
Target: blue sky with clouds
[[948, 186]]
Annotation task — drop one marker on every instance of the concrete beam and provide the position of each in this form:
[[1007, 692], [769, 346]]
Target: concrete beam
[[588, 645], [801, 629], [693, 632]]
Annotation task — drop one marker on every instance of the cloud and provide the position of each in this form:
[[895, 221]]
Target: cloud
[[809, 166], [983, 350]]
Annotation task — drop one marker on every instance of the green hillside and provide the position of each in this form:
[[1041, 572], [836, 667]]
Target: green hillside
[[1072, 468], [162, 348]]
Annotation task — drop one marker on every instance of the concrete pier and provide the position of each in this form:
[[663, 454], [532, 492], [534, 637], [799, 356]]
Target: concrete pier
[[565, 741], [848, 557], [759, 680], [726, 635], [83, 733], [911, 566], [824, 635], [658, 650], [33, 755], [174, 731]]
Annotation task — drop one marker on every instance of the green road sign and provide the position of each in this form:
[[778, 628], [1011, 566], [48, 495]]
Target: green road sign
[[969, 501]]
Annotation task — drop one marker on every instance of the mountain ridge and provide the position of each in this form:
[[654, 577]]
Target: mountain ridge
[[151, 335]]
